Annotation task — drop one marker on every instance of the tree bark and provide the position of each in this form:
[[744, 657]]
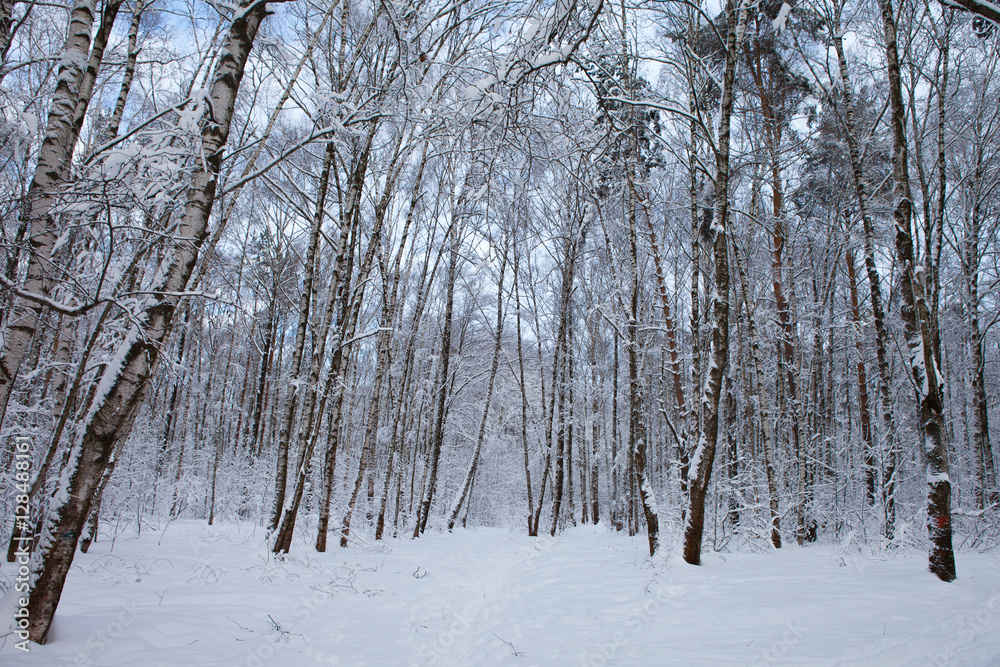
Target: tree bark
[[455, 234], [392, 295], [305, 306], [704, 455], [127, 377], [924, 368], [878, 311], [637, 425], [532, 529], [863, 402], [54, 159], [338, 293]]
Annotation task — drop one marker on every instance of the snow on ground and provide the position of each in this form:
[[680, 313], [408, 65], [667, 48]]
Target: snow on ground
[[193, 595]]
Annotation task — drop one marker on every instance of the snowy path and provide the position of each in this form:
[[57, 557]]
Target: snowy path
[[213, 596]]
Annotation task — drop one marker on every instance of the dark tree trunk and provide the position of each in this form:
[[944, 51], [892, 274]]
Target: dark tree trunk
[[917, 325], [704, 455]]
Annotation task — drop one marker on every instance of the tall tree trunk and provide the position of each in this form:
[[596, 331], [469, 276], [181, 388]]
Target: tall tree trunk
[[637, 425], [704, 455], [391, 294], [616, 505], [560, 386], [532, 528], [127, 376], [570, 430], [734, 454], [770, 94], [350, 309], [878, 312], [596, 437], [428, 273], [557, 419], [335, 379], [338, 293], [463, 492], [759, 396], [700, 215], [427, 497], [972, 256], [305, 306], [914, 312], [675, 364], [367, 464], [981, 446], [54, 159], [863, 402]]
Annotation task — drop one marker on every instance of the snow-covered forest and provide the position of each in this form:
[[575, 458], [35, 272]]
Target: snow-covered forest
[[328, 281]]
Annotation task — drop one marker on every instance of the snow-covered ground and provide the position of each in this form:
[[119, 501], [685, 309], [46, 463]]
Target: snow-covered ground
[[194, 595]]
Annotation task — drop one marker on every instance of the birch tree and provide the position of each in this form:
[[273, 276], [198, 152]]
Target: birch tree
[[125, 380]]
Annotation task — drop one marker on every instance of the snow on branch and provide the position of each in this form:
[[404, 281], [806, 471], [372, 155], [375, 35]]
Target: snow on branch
[[984, 8]]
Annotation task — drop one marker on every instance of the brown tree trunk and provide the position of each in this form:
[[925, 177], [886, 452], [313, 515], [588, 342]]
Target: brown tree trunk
[[558, 421], [532, 529], [637, 425], [672, 350], [427, 497], [338, 293], [367, 464], [305, 306], [863, 401], [987, 493], [392, 295], [704, 455], [350, 309], [917, 325], [770, 95]]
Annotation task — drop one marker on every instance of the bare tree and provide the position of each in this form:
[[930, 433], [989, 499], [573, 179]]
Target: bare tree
[[916, 316], [704, 453], [125, 381]]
